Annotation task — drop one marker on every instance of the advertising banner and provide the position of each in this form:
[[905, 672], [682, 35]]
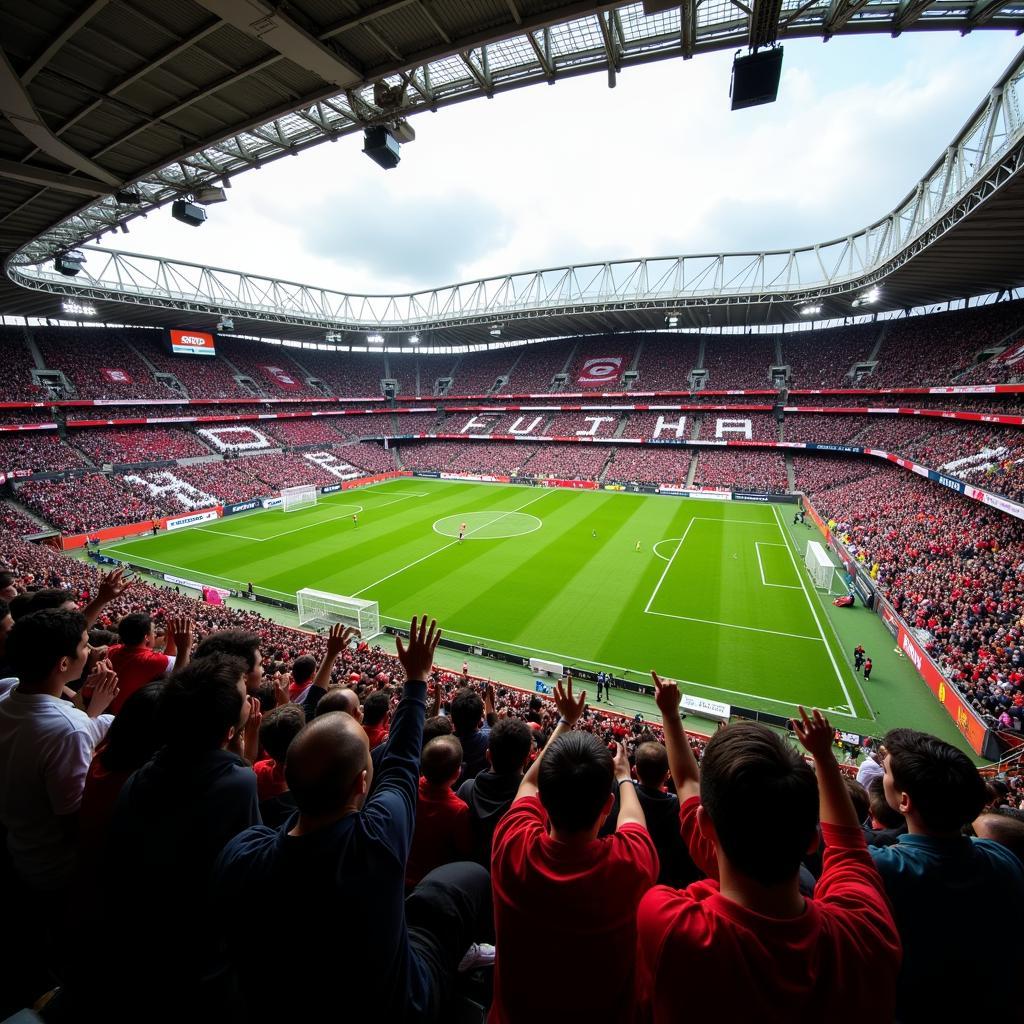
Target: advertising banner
[[116, 376], [191, 519], [284, 379], [192, 343], [713, 709], [271, 502], [599, 370], [889, 620], [242, 506], [577, 485], [330, 488]]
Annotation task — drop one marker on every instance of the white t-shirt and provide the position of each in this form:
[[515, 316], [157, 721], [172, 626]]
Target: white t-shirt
[[869, 771], [46, 746]]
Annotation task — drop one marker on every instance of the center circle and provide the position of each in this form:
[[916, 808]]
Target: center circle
[[487, 525]]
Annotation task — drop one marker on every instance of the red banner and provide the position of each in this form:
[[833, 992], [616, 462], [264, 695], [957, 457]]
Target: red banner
[[284, 379], [116, 376], [600, 370], [1013, 355]]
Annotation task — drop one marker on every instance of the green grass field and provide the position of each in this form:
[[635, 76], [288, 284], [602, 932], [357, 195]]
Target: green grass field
[[716, 596]]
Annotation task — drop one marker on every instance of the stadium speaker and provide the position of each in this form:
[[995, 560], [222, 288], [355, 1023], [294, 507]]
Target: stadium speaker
[[779, 414], [69, 263], [381, 146], [755, 78], [188, 213]]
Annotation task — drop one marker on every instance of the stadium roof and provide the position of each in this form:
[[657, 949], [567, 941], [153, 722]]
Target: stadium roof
[[165, 98]]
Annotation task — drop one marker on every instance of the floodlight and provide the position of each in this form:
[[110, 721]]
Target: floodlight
[[225, 324], [871, 296], [128, 197], [810, 310], [375, 339], [69, 263], [496, 329], [414, 339], [210, 194], [77, 309], [672, 321], [188, 213]]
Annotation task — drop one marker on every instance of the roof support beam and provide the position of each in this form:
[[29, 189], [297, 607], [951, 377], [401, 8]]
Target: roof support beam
[[17, 106], [982, 11], [909, 11], [25, 173], [688, 27], [840, 12], [61, 38], [275, 29]]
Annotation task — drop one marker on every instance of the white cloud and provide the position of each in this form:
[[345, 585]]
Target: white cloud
[[576, 172]]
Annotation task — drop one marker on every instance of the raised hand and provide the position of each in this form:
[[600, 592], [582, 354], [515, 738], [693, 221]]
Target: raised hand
[[180, 628], [113, 584], [620, 766], [666, 696], [816, 734], [339, 637], [103, 682], [251, 730], [418, 657], [281, 691], [569, 707]]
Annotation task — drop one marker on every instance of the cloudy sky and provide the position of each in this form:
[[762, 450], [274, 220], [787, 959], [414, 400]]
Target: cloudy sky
[[577, 171]]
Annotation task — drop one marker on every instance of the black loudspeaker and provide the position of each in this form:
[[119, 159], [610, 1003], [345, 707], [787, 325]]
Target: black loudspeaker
[[381, 146], [778, 413], [188, 213], [755, 78]]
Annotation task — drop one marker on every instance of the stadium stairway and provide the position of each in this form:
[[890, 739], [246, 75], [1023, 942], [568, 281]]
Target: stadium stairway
[[790, 472], [37, 356], [10, 499], [692, 471]]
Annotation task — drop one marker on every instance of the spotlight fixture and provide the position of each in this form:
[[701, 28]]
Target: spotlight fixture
[[210, 194], [871, 296], [381, 146], [672, 320], [77, 308], [414, 339], [225, 324], [496, 329], [69, 263], [128, 197], [333, 339], [755, 78], [375, 339], [188, 212], [810, 310]]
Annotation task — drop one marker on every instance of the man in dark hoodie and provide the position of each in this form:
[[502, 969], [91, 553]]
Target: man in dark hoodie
[[172, 819], [490, 794]]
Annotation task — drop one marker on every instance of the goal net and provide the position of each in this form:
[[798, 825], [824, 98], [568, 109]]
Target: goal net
[[298, 497], [819, 565], [319, 610]]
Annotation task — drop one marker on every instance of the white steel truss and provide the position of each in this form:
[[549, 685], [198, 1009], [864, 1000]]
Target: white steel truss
[[986, 153]]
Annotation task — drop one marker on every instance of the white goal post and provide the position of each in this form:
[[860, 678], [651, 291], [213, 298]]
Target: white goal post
[[298, 497], [320, 610], [819, 565]]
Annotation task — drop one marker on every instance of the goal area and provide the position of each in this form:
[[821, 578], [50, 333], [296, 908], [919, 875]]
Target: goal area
[[319, 609], [819, 565], [298, 497]]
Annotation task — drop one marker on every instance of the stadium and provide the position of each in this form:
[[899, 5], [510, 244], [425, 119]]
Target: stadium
[[781, 477]]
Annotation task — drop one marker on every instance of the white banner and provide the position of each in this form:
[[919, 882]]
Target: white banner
[[713, 709], [271, 502], [198, 517]]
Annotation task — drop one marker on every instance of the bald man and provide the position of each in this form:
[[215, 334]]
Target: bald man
[[346, 849], [340, 698]]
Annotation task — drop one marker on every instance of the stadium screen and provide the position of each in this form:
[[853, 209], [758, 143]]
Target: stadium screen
[[192, 343]]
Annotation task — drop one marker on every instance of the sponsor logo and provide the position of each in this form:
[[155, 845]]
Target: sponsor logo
[[330, 489], [241, 506], [199, 517], [948, 481], [600, 369], [271, 502], [192, 341], [911, 651], [741, 496]]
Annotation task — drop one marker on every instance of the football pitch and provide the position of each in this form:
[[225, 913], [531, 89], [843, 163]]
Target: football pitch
[[712, 594]]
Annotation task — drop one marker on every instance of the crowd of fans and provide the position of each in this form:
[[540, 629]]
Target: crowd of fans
[[307, 431], [128, 445], [477, 372], [466, 457], [738, 426], [638, 465], [84, 503], [818, 472], [822, 359], [739, 360], [740, 468], [211, 761], [599, 423], [62, 349], [36, 452], [665, 362], [17, 384], [537, 365], [567, 461], [954, 569], [822, 427]]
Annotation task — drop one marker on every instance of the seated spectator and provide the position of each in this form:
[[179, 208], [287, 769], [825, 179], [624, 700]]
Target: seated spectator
[[746, 937], [376, 711], [133, 738], [491, 792], [135, 661], [46, 745], [1004, 826], [443, 833], [885, 825], [871, 767], [467, 715], [302, 672], [661, 811], [277, 730], [550, 871], [351, 852], [171, 822], [944, 886]]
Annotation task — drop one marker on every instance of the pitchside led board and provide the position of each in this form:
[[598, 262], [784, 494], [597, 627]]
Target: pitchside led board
[[192, 343]]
